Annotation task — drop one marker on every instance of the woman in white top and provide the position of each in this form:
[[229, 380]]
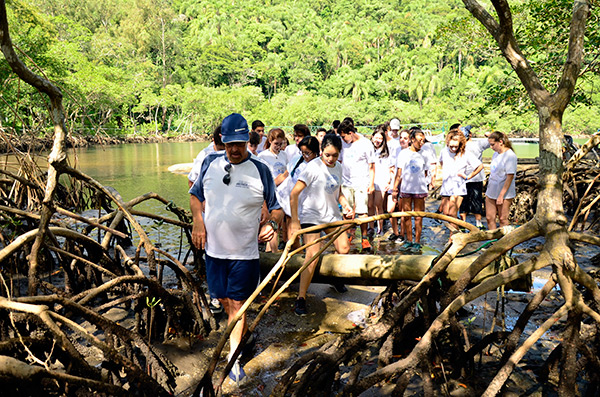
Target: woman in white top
[[454, 163], [276, 160], [321, 183], [412, 181], [383, 179], [501, 184], [393, 204]]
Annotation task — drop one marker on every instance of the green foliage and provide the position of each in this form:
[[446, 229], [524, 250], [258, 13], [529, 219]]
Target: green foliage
[[179, 66]]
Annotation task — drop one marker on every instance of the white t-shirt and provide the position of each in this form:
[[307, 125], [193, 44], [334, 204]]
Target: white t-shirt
[[356, 158], [502, 165], [285, 188], [320, 203], [261, 146], [277, 162], [292, 151], [413, 166], [476, 147], [232, 212], [394, 149], [382, 171], [452, 165], [193, 175]]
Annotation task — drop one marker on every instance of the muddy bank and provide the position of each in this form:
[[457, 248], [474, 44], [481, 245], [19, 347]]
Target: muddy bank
[[26, 143]]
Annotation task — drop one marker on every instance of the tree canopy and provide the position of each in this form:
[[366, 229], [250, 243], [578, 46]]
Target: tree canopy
[[180, 65]]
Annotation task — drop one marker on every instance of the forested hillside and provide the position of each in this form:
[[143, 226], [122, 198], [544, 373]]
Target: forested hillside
[[179, 66]]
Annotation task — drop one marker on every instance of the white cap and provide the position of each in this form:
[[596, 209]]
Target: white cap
[[395, 124]]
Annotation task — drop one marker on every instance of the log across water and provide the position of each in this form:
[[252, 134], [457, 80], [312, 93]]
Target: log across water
[[375, 269]]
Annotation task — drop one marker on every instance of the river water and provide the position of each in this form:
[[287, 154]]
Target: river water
[[135, 169]]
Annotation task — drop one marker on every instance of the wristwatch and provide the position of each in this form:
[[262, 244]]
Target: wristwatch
[[273, 224]]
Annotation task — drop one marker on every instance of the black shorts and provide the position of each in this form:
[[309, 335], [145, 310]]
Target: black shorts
[[473, 202]]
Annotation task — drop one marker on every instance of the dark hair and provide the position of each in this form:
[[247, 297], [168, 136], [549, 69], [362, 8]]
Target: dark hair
[[454, 126], [217, 136], [274, 133], [501, 137], [330, 131], [414, 131], [331, 140], [346, 126], [335, 124], [312, 143], [301, 129], [321, 129], [254, 138], [256, 124], [381, 129]]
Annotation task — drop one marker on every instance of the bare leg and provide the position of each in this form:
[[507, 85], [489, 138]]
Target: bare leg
[[391, 207], [341, 244], [232, 307], [378, 202], [503, 211], [490, 213], [307, 274], [419, 204], [407, 220]]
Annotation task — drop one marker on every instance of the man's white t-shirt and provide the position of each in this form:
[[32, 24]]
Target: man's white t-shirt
[[320, 203], [413, 166], [476, 147], [232, 211], [502, 165], [277, 162], [356, 158]]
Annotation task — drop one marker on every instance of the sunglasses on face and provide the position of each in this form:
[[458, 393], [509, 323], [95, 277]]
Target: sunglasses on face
[[227, 177]]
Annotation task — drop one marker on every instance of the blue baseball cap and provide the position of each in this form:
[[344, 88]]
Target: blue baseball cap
[[466, 131], [235, 129]]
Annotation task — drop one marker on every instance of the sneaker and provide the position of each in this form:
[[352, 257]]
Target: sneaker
[[237, 372], [393, 237], [366, 247], [406, 246], [300, 307], [370, 232], [339, 287], [215, 306], [415, 248]]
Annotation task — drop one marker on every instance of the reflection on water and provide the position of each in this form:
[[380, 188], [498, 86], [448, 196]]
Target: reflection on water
[[135, 169]]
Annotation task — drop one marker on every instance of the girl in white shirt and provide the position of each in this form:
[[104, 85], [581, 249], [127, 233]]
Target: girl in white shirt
[[412, 184], [276, 160], [321, 181], [455, 161], [383, 179], [501, 185]]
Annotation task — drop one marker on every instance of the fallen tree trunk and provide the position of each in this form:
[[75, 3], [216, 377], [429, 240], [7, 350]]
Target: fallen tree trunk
[[376, 269]]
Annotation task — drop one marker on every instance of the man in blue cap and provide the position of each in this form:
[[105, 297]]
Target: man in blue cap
[[226, 202]]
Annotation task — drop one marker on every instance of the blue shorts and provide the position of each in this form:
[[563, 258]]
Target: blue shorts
[[232, 278]]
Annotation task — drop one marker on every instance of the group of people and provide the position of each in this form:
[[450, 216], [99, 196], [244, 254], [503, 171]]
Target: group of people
[[248, 188]]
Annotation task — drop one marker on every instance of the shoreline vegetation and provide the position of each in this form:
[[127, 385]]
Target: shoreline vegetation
[[28, 142]]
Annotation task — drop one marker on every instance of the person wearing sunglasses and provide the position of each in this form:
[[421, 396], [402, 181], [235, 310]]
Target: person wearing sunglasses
[[226, 201]]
